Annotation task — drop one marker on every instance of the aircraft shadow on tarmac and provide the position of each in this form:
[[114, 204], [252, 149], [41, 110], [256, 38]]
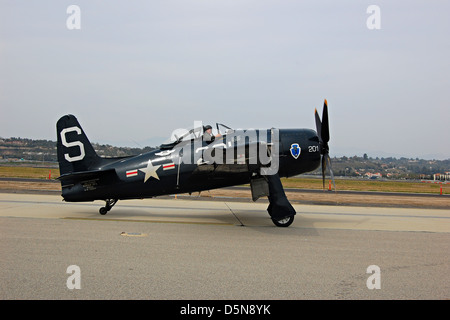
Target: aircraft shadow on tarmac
[[251, 219]]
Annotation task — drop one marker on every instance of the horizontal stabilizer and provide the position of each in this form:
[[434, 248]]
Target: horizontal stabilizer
[[87, 175]]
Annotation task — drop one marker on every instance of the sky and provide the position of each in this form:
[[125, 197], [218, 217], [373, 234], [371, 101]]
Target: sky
[[137, 70]]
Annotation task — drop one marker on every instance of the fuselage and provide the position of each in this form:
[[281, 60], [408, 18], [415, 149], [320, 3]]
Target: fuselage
[[193, 165]]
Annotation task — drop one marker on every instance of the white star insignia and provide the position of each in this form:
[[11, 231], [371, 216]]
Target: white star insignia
[[150, 171]]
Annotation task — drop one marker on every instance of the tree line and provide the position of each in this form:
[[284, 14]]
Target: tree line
[[13, 149]]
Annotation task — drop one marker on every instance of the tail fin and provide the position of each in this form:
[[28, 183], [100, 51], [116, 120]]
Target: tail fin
[[75, 152]]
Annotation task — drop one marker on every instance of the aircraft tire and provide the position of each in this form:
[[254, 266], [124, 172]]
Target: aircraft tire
[[103, 211], [283, 223]]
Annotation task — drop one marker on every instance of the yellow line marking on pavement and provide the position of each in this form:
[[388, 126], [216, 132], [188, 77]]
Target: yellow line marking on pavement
[[152, 221]]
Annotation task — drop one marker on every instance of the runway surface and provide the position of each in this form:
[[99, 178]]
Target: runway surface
[[190, 249]]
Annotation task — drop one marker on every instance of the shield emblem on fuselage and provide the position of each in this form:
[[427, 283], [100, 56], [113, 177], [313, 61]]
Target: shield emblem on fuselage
[[295, 150]]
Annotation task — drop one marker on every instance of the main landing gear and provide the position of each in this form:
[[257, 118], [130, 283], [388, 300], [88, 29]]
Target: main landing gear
[[280, 209], [285, 222], [109, 204]]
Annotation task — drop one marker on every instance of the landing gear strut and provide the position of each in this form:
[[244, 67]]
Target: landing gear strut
[[280, 209], [109, 204]]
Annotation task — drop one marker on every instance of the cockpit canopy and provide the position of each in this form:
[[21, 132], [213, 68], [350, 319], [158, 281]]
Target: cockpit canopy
[[194, 132]]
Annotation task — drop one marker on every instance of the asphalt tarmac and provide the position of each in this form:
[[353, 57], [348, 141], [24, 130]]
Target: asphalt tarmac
[[201, 250]]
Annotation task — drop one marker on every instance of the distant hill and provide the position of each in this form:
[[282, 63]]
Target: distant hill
[[390, 168], [45, 150], [15, 149]]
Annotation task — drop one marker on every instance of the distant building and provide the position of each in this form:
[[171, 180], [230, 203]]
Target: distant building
[[373, 175], [441, 176]]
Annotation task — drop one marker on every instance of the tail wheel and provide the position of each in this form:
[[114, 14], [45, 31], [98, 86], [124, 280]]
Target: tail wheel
[[109, 204]]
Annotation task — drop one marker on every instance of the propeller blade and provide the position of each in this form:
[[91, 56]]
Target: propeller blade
[[325, 132], [318, 125], [324, 166], [331, 170]]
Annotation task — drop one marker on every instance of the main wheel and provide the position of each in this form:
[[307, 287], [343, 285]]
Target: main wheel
[[103, 210], [285, 222]]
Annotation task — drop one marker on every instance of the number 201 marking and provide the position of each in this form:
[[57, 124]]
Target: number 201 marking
[[313, 148]]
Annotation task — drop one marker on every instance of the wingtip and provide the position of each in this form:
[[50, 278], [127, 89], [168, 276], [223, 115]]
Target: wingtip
[[325, 102]]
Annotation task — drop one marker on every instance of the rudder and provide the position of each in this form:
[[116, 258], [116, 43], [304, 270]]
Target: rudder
[[75, 152]]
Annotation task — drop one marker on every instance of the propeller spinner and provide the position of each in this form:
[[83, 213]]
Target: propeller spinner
[[323, 132]]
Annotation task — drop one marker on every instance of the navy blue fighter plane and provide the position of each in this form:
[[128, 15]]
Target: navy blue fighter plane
[[189, 162]]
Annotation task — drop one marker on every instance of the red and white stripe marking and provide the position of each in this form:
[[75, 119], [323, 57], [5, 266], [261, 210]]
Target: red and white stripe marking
[[132, 173], [168, 166]]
